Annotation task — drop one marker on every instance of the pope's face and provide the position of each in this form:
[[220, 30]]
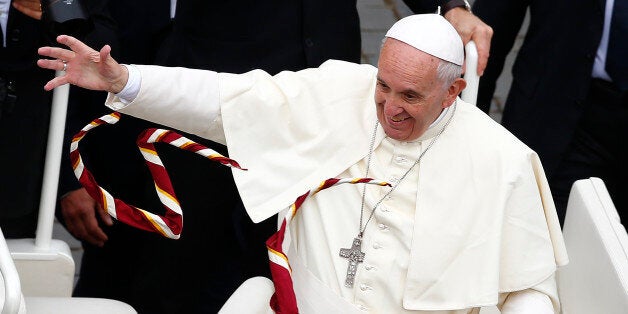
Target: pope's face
[[408, 96]]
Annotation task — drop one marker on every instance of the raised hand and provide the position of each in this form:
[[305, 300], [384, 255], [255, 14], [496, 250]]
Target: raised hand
[[84, 66]]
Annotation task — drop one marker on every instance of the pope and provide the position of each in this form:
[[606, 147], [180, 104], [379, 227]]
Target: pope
[[467, 221]]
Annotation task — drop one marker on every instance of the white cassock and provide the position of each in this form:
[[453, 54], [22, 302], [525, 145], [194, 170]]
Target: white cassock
[[473, 221]]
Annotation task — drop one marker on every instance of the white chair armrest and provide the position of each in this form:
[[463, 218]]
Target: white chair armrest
[[253, 296], [10, 289], [596, 278]]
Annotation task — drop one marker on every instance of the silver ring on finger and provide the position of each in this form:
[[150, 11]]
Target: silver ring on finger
[[65, 65]]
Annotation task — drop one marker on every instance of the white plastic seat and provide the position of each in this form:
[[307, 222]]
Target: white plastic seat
[[62, 305], [596, 278], [12, 300], [44, 272]]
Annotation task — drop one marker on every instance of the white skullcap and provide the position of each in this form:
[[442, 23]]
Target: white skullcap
[[430, 33]]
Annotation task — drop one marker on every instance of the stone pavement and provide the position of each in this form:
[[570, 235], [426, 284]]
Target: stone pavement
[[376, 16]]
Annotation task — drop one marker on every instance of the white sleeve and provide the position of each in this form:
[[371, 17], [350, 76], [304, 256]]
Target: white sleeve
[[132, 87], [179, 98]]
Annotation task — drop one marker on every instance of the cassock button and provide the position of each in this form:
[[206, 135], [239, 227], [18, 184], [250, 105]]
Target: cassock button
[[364, 287], [376, 245], [382, 227], [368, 267], [400, 159]]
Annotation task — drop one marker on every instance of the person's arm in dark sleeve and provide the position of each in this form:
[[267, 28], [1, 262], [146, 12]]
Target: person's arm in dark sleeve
[[506, 18]]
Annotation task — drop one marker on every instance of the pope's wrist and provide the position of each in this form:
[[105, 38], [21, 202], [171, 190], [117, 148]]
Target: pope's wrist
[[131, 85]]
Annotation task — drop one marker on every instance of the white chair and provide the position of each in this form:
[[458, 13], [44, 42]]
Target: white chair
[[596, 278], [13, 301], [38, 274], [45, 265]]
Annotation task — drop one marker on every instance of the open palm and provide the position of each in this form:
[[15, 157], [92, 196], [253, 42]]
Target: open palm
[[85, 67]]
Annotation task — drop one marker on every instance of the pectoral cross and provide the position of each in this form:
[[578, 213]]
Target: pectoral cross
[[355, 256]]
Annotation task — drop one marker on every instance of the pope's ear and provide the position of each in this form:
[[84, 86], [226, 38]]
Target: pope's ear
[[453, 91]]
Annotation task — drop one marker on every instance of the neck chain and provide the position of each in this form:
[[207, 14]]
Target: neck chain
[[354, 254]]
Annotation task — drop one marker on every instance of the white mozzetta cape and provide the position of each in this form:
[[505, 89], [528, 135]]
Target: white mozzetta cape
[[484, 220]]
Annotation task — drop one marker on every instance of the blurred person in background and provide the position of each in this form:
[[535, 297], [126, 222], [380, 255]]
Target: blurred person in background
[[568, 99], [25, 107]]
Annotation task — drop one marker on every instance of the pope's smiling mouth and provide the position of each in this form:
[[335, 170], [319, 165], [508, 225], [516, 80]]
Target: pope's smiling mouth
[[395, 119]]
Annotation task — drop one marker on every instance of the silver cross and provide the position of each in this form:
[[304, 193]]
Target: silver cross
[[355, 256]]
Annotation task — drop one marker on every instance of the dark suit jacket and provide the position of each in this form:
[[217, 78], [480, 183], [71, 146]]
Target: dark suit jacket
[[23, 126], [238, 36], [552, 71]]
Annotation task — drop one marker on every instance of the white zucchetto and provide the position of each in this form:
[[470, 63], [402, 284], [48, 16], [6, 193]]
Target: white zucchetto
[[430, 33]]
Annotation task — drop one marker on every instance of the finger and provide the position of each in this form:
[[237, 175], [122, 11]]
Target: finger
[[56, 53], [56, 82], [59, 65], [483, 44], [91, 237], [74, 226], [56, 64], [47, 64], [104, 215], [73, 43], [105, 53], [95, 234], [482, 60], [87, 226]]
